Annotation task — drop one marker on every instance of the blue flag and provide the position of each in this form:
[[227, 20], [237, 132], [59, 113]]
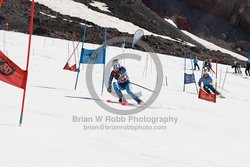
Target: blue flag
[[89, 56], [189, 78]]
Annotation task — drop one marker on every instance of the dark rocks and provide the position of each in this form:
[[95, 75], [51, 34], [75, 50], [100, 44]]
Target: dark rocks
[[131, 2], [224, 36], [238, 11], [213, 20], [203, 4], [235, 20], [243, 45], [233, 46], [195, 50], [40, 31], [181, 22], [245, 15]]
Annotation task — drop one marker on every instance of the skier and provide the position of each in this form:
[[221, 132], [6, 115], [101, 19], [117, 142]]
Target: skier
[[247, 71], [208, 64], [207, 82], [120, 74], [237, 67], [195, 61]]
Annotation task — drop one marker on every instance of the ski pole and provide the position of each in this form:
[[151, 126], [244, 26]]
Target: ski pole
[[224, 89], [143, 87], [212, 70], [224, 79]]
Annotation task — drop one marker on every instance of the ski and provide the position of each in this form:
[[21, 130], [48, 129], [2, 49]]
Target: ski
[[121, 103], [127, 104]]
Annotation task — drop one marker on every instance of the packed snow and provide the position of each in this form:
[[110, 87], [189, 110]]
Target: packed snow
[[171, 22], [48, 15], [101, 6], [206, 134]]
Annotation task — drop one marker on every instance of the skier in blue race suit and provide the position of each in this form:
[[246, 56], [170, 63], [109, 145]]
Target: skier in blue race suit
[[120, 74], [207, 81], [195, 61]]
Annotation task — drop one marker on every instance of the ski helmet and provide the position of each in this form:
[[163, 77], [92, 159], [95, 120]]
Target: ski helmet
[[205, 72], [116, 65]]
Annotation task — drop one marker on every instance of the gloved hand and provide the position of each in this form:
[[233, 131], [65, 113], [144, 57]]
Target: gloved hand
[[109, 89], [117, 76]]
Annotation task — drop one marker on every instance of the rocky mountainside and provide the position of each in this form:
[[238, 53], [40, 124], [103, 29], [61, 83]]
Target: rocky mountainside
[[15, 16], [224, 22]]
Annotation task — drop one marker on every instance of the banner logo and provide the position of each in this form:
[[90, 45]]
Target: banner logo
[[5, 68]]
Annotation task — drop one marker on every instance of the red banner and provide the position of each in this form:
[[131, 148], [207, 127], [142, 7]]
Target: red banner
[[11, 73], [206, 96], [72, 68], [1, 2]]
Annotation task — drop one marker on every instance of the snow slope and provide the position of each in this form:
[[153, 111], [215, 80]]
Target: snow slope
[[206, 134], [171, 22], [100, 5]]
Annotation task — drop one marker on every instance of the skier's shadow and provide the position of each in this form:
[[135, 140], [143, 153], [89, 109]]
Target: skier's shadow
[[84, 98], [47, 87], [3, 124], [93, 99]]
